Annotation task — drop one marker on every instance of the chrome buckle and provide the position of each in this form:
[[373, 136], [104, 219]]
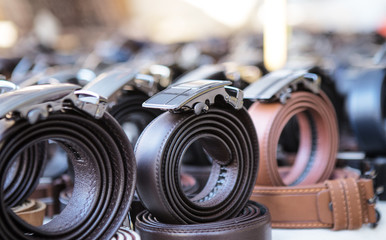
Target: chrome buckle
[[195, 95], [7, 86], [278, 85]]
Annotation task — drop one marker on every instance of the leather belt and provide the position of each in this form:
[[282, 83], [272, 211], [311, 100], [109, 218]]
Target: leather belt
[[23, 176], [318, 141], [130, 114], [252, 223], [365, 107], [31, 212], [234, 164], [125, 233], [279, 100], [338, 204], [99, 151]]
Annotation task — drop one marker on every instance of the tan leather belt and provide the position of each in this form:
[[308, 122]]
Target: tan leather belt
[[338, 204], [318, 142], [31, 211]]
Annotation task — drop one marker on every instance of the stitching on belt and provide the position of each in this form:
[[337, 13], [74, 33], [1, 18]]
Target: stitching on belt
[[310, 190]]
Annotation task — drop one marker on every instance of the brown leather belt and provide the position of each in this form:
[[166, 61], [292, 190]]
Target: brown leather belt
[[125, 233], [318, 142], [309, 201], [252, 223], [338, 204]]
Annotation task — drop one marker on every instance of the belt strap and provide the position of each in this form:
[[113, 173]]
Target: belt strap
[[232, 177], [102, 159], [338, 204], [252, 223], [318, 133], [125, 233]]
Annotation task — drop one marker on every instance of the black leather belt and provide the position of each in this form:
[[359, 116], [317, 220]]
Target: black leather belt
[[366, 110], [252, 223], [227, 135], [98, 149]]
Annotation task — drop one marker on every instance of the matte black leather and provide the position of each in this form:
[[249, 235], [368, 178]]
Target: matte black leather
[[159, 151], [366, 110], [252, 223]]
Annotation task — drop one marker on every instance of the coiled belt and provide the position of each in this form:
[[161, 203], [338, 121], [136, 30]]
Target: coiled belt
[[365, 106], [281, 96], [232, 176], [252, 223], [318, 141], [344, 203], [227, 135], [99, 151]]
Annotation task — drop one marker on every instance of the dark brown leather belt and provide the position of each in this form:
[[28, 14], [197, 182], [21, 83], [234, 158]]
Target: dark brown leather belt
[[125, 233], [230, 182], [99, 151], [234, 159], [252, 223]]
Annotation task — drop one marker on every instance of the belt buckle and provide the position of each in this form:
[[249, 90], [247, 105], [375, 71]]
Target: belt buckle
[[278, 85], [7, 86], [372, 174], [195, 95], [90, 102]]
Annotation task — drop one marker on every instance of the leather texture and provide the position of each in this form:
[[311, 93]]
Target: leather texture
[[129, 110], [252, 223], [125, 233], [339, 204], [318, 141], [233, 171], [31, 212], [105, 173], [23, 175], [365, 108]]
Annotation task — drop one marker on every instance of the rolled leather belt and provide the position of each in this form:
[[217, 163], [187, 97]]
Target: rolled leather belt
[[222, 128], [318, 133], [31, 212], [125, 233], [99, 151], [23, 174], [252, 223], [344, 203], [365, 106]]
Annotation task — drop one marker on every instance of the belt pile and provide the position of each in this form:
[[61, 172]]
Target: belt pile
[[240, 192]]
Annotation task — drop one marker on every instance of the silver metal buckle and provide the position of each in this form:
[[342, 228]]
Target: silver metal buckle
[[7, 86], [278, 85], [36, 102], [195, 95], [90, 102]]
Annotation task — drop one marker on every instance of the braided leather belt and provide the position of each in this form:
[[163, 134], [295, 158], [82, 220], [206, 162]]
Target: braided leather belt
[[252, 223], [98, 149], [365, 107], [234, 159], [317, 122]]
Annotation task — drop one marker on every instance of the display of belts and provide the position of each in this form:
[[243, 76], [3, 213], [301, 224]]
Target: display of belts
[[182, 119]]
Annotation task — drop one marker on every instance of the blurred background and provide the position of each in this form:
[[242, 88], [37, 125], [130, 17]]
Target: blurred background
[[70, 25]]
